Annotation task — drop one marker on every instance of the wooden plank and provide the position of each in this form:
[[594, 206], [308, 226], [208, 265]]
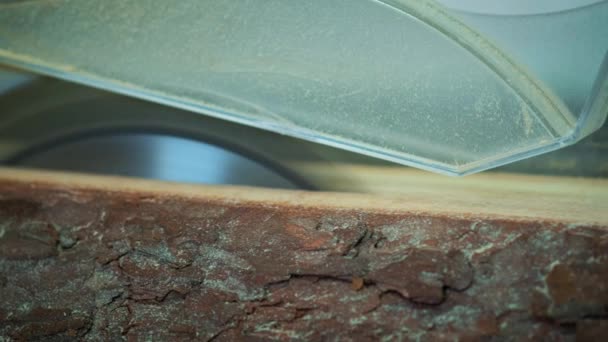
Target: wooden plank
[[109, 258], [487, 195]]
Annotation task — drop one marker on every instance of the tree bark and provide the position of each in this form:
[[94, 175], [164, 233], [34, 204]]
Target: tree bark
[[95, 258]]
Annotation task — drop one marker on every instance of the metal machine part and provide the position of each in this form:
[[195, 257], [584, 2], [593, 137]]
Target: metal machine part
[[75, 128], [52, 124], [157, 156], [402, 80]]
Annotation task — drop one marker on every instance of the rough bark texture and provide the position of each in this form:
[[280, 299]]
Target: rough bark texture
[[94, 265]]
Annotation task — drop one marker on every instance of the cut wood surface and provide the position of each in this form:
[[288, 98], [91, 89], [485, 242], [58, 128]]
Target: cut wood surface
[[493, 194], [109, 258], [387, 189]]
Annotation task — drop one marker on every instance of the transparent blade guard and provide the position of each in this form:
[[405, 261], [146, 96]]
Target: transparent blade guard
[[401, 80]]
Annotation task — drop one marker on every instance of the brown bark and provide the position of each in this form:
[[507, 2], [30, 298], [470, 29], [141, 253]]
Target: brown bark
[[102, 259]]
